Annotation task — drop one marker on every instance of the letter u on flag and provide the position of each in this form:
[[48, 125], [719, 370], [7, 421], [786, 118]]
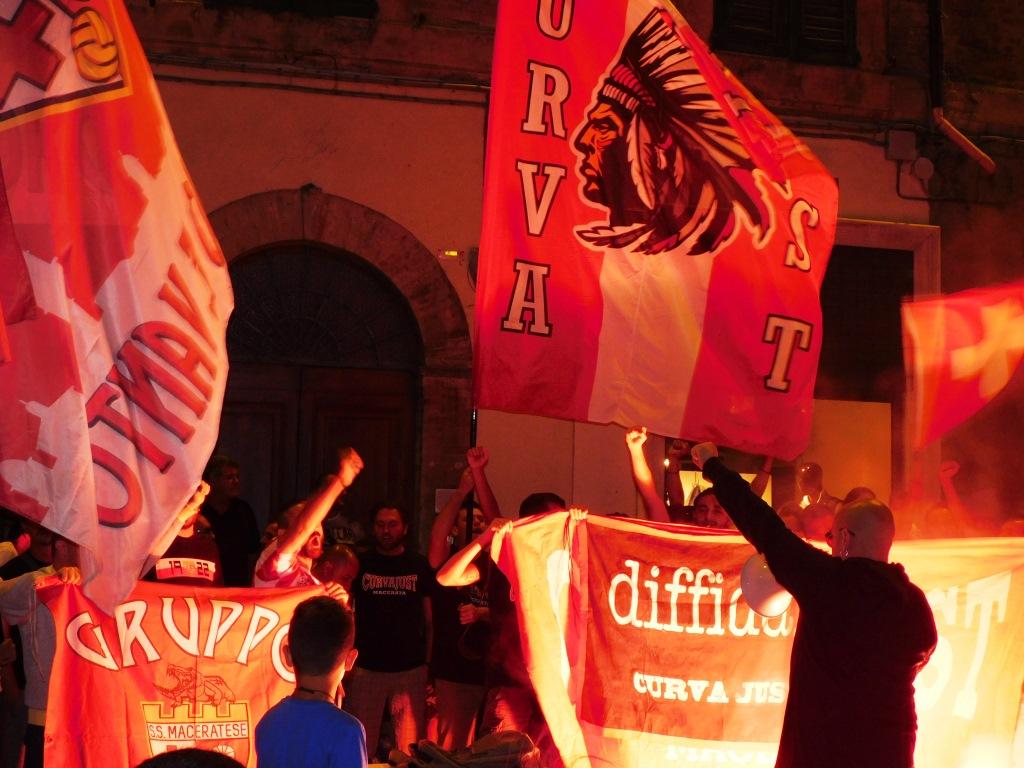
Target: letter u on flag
[[961, 351], [653, 239], [113, 371]]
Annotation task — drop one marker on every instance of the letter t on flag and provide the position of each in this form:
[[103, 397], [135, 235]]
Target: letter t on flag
[[961, 350], [653, 238], [115, 292]]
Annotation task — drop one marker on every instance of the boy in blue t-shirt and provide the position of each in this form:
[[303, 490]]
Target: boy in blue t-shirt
[[307, 728]]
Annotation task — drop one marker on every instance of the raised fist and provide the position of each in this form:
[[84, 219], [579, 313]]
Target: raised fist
[[477, 457], [636, 437], [701, 452], [349, 465]]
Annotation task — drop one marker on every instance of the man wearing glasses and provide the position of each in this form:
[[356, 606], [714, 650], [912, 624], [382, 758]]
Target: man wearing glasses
[[864, 630]]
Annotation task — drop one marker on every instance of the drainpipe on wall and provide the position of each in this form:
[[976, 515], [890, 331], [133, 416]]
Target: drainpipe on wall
[[936, 81]]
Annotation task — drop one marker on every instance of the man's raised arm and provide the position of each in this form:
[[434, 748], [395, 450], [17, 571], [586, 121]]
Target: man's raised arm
[[478, 457], [319, 504], [794, 563], [438, 551], [643, 478]]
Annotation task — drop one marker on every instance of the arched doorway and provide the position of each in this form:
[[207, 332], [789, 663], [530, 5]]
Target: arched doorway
[[346, 332]]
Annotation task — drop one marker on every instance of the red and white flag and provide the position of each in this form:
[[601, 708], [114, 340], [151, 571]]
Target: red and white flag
[[115, 292], [654, 239], [644, 653], [961, 350]]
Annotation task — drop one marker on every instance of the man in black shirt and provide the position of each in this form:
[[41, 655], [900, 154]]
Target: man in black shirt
[[864, 630], [391, 595], [232, 520]]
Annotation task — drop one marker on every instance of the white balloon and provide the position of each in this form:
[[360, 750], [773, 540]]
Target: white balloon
[[763, 593]]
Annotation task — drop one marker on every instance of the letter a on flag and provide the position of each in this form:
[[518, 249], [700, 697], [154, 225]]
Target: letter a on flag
[[114, 292], [654, 239], [961, 350]]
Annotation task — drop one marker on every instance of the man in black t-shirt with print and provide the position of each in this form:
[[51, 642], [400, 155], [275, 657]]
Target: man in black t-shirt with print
[[391, 595]]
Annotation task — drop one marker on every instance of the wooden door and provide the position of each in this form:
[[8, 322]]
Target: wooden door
[[374, 412], [284, 423], [259, 428]]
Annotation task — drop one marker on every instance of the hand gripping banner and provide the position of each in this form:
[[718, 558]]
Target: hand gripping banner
[[115, 293], [644, 653], [653, 239]]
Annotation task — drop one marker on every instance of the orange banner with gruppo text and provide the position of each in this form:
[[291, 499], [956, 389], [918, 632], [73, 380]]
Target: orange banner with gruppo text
[[175, 667], [644, 652]]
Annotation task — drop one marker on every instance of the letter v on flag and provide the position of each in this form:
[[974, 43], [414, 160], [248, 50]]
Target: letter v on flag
[[113, 369], [961, 351], [653, 239]]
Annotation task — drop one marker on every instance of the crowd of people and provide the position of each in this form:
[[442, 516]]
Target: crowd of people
[[428, 645], [810, 515]]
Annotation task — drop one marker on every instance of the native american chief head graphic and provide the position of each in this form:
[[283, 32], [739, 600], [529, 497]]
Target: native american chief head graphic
[[656, 150]]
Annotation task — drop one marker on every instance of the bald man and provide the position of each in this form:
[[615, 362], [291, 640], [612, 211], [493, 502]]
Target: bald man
[[864, 630]]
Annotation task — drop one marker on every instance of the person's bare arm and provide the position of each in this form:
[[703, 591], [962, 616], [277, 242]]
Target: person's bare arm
[[460, 570], [191, 508], [477, 457], [643, 479], [320, 503], [764, 474], [438, 550]]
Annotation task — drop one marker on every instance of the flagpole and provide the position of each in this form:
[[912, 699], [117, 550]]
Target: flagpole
[[467, 503]]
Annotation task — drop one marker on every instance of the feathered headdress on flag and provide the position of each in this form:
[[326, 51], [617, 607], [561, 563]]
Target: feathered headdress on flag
[[689, 170]]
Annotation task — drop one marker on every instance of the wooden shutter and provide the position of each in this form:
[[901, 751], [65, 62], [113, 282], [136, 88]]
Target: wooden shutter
[[751, 26], [825, 32], [815, 31]]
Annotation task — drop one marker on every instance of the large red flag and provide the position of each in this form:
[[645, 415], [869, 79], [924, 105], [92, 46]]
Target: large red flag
[[644, 653], [653, 240], [961, 351], [176, 667], [118, 296]]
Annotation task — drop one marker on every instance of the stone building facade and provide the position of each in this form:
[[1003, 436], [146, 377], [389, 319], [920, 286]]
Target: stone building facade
[[342, 144]]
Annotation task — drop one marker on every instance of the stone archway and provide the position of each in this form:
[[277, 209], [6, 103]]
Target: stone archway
[[311, 215]]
